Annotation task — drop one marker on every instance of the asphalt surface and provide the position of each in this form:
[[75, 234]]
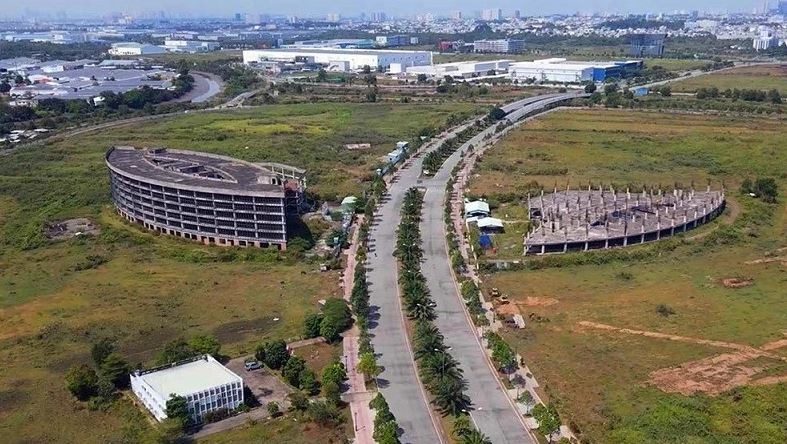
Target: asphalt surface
[[493, 412]]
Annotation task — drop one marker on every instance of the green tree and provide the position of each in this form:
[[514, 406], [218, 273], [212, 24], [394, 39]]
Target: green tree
[[175, 350], [590, 88], [774, 96], [177, 408], [101, 350], [548, 419], [324, 413], [116, 370], [276, 354], [367, 365], [259, 352], [81, 381], [311, 325], [450, 397], [273, 409], [665, 91], [205, 345], [292, 370], [334, 373], [611, 88], [475, 437], [332, 392], [307, 381], [496, 114], [462, 426], [298, 401]]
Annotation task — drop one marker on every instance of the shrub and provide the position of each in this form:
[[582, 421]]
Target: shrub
[[664, 310], [82, 382]]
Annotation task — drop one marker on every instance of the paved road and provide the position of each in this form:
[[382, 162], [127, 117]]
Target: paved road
[[492, 411], [399, 382]]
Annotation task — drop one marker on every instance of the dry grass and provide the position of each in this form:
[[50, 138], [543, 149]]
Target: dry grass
[[601, 378], [763, 77]]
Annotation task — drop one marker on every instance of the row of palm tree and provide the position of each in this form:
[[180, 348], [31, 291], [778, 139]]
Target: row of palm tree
[[439, 371], [435, 159]]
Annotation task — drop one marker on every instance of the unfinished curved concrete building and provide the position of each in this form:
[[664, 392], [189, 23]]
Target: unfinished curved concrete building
[[581, 220], [208, 198]]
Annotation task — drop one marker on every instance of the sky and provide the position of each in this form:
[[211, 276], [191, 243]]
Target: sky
[[307, 8]]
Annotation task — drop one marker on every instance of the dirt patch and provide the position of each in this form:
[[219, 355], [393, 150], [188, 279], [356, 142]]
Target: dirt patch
[[507, 309], [358, 146], [69, 228], [768, 260], [734, 282], [532, 301], [712, 376]]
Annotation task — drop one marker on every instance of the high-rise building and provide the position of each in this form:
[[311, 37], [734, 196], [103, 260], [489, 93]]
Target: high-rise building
[[493, 14], [456, 15], [333, 17], [782, 8], [765, 40], [517, 14], [378, 17], [503, 46], [646, 45]]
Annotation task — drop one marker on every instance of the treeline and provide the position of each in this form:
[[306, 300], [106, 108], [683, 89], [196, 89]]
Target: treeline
[[236, 76], [50, 51], [435, 159], [749, 95]]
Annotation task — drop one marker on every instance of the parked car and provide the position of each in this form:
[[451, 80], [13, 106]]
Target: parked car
[[252, 365]]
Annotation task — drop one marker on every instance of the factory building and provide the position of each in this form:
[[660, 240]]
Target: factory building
[[204, 197], [356, 58], [502, 46], [134, 49], [190, 46], [460, 70], [392, 40], [205, 383], [559, 70]]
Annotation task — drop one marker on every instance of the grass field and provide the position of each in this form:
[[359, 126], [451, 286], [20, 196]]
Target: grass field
[[600, 378], [56, 299], [284, 430], [764, 77]]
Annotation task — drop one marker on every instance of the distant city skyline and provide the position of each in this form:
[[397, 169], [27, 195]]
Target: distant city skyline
[[350, 8]]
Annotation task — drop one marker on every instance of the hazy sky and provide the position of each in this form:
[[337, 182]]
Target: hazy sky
[[305, 8]]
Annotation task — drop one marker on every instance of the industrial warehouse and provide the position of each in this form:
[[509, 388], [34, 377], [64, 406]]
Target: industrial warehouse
[[208, 198], [560, 70], [352, 59], [581, 220]]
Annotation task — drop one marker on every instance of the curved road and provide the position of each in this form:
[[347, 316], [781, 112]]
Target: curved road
[[493, 412]]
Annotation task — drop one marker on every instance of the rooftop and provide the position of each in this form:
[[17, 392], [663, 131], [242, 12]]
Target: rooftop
[[342, 51], [189, 377], [193, 169]]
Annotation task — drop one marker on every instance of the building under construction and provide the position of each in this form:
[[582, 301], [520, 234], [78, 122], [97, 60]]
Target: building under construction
[[206, 197], [581, 220]]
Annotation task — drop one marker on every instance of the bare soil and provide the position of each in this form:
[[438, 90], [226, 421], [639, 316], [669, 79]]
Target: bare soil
[[69, 228], [734, 282]]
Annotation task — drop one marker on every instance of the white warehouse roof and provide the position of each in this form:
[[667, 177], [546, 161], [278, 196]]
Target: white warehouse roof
[[190, 377], [476, 206], [490, 222]]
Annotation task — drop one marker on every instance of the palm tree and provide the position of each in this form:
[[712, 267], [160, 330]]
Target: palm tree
[[450, 398], [475, 437]]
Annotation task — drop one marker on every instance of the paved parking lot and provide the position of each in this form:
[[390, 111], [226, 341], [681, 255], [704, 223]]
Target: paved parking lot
[[265, 386]]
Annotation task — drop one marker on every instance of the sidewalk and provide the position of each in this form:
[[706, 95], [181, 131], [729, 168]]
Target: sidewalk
[[356, 395]]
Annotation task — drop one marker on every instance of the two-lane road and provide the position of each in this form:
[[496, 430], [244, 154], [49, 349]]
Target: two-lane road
[[494, 413]]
